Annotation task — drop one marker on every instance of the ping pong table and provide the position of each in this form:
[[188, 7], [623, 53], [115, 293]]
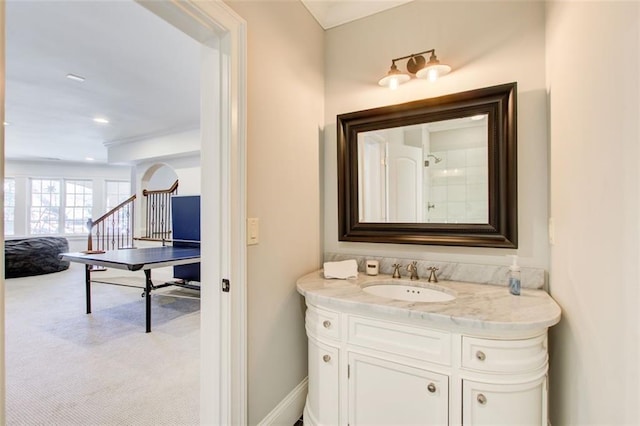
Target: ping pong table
[[135, 259]]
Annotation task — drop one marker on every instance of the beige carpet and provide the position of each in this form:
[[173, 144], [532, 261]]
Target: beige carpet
[[65, 367]]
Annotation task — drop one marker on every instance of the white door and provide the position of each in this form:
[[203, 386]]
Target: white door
[[383, 392], [371, 179], [404, 183]]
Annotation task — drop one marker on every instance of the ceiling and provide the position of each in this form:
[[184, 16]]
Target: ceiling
[[140, 73], [331, 13]]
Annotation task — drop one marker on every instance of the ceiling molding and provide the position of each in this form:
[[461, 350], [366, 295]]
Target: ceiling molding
[[152, 135]]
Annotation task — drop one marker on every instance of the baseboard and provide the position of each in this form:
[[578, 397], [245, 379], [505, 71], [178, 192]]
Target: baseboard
[[289, 410]]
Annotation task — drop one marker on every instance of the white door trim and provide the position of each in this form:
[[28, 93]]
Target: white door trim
[[223, 365], [3, 385]]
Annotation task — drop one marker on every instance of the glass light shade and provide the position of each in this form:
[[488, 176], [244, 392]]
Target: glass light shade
[[393, 79], [433, 71]]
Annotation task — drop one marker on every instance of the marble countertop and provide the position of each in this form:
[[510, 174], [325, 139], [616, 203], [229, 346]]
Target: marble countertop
[[476, 306]]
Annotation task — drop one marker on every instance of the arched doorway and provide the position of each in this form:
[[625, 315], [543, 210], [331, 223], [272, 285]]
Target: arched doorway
[[158, 176]]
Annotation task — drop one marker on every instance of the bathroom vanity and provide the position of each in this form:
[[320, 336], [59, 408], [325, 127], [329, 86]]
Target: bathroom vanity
[[477, 359]]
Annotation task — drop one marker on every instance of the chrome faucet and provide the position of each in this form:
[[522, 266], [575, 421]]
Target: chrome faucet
[[413, 268], [432, 274], [396, 270]]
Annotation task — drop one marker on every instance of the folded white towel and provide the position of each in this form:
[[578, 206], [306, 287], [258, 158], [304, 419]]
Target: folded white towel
[[341, 270]]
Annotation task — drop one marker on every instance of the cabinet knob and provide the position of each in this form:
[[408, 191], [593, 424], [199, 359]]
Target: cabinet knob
[[326, 324], [481, 356], [482, 399], [326, 358], [431, 387]]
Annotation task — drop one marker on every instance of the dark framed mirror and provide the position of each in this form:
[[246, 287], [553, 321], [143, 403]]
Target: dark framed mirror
[[440, 171]]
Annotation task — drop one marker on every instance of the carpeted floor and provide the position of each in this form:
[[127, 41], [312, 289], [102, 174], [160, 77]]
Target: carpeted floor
[[65, 367]]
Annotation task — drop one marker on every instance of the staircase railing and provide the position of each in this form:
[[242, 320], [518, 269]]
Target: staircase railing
[[158, 206], [114, 229]]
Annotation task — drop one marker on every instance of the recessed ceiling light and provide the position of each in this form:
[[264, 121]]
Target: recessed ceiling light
[[75, 77], [101, 120], [6, 123], [478, 117], [89, 159]]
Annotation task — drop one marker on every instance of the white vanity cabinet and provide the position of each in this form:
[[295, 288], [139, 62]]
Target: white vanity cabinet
[[479, 359], [369, 371]]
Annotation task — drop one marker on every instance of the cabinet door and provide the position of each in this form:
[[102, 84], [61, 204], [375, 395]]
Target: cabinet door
[[323, 398], [383, 392], [513, 405]]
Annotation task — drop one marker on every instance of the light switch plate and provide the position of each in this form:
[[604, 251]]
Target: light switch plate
[[253, 231]]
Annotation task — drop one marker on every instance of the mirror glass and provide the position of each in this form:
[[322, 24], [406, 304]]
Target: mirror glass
[[435, 171]]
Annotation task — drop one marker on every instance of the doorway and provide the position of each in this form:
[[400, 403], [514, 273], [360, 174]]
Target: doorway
[[223, 329]]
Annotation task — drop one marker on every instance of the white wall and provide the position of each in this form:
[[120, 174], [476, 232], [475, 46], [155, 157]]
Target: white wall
[[593, 60], [285, 118], [486, 43]]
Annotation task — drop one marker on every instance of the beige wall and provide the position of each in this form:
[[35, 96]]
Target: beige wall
[[486, 43], [285, 117], [593, 60]]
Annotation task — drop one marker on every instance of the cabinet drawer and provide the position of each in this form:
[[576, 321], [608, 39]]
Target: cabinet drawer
[[504, 355], [322, 323], [415, 342], [520, 404]]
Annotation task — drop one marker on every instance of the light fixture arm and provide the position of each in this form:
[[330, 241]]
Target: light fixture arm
[[413, 55]]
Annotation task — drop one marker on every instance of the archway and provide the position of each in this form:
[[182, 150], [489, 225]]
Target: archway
[[158, 176]]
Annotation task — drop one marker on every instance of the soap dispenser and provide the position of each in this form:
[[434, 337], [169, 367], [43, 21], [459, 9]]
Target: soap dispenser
[[514, 276]]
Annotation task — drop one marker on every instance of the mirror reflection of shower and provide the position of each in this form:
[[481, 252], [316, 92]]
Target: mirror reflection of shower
[[436, 160]]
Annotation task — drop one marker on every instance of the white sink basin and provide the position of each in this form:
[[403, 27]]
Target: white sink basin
[[409, 293]]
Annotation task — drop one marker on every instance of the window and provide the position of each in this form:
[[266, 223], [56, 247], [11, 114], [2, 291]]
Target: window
[[77, 206], [45, 206], [50, 198], [117, 191], [9, 206]]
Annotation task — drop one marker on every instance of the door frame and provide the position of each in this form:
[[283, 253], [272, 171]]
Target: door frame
[[223, 393]]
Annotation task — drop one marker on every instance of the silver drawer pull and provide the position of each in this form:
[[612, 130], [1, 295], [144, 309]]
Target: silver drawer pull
[[326, 324], [481, 356], [431, 387], [326, 358], [482, 399]]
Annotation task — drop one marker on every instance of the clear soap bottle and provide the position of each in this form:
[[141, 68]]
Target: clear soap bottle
[[514, 277]]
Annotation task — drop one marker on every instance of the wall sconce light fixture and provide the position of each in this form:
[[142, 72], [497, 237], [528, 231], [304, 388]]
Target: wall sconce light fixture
[[416, 65]]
